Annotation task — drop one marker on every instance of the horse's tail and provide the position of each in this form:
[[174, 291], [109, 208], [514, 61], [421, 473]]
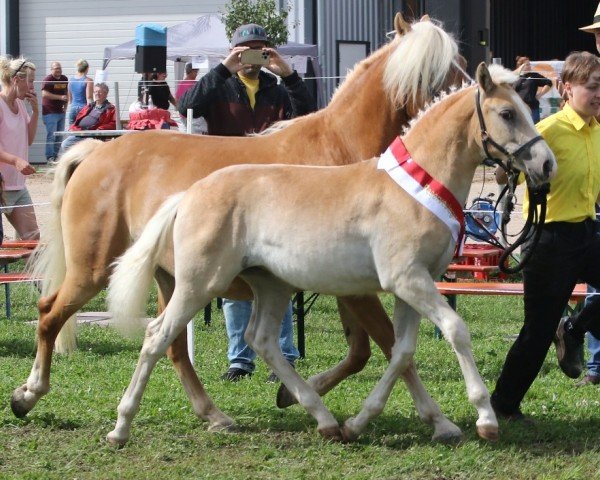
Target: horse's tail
[[134, 270], [48, 260]]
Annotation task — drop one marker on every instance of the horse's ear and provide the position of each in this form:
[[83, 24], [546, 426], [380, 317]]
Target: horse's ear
[[425, 18], [484, 79], [402, 26]]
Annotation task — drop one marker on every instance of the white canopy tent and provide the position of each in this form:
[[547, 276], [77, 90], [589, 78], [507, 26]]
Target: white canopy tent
[[204, 38]]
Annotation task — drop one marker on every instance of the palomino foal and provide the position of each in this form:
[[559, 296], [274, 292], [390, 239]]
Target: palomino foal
[[339, 230]]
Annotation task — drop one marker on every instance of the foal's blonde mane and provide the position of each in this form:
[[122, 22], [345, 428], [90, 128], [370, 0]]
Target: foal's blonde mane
[[499, 74]]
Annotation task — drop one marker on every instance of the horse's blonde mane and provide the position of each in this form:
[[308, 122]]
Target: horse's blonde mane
[[364, 65], [418, 66]]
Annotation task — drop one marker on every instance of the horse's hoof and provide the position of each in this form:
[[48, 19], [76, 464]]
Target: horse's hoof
[[348, 434], [448, 438], [488, 432], [332, 433], [18, 404], [223, 428], [115, 440], [284, 397]]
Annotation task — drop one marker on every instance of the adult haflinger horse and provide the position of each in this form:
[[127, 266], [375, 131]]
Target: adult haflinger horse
[[104, 194], [389, 223]]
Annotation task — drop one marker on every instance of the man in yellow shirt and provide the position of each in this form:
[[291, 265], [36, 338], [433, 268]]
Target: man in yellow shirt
[[569, 246]]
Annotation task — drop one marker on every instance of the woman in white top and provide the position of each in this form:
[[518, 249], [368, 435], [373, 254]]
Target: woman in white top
[[17, 131]]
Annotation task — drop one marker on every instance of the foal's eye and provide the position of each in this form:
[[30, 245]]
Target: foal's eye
[[507, 115]]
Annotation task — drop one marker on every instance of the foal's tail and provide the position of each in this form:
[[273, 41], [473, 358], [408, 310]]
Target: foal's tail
[[134, 270], [48, 260]]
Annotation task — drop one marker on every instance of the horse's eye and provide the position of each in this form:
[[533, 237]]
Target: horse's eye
[[507, 115]]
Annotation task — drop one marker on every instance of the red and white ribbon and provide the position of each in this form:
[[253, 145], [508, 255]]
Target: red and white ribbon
[[425, 189]]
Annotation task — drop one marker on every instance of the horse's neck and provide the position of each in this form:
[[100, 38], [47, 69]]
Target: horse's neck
[[359, 123], [443, 143]]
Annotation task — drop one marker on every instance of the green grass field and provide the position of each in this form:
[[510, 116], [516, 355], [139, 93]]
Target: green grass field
[[64, 435]]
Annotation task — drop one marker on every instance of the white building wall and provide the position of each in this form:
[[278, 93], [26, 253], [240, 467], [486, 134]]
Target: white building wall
[[3, 27], [68, 30]]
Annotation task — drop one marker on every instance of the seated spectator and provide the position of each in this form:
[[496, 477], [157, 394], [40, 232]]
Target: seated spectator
[[97, 115], [159, 92]]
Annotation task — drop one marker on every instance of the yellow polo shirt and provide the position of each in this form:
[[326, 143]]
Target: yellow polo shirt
[[251, 88], [576, 145]]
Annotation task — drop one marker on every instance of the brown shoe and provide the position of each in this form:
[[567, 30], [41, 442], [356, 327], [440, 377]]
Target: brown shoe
[[588, 380]]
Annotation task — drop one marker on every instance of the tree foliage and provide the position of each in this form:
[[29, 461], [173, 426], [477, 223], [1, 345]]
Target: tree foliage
[[262, 12]]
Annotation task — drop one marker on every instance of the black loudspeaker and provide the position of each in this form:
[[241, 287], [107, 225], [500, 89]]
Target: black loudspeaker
[[150, 59]]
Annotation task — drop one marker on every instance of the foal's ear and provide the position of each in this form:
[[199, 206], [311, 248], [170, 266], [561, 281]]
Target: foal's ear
[[402, 26], [484, 79]]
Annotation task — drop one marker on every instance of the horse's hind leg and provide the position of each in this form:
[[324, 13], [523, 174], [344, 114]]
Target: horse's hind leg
[[160, 333], [54, 311], [358, 353], [202, 404]]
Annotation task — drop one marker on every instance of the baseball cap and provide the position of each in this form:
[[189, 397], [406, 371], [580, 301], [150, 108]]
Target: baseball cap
[[249, 33], [189, 66]]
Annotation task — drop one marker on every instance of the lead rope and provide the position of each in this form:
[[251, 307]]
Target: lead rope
[[537, 198]]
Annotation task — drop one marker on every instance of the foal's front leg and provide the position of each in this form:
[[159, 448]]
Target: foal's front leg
[[271, 298], [406, 329], [365, 314], [424, 297]]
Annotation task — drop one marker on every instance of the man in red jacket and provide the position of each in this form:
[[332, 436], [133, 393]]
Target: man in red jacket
[[97, 115]]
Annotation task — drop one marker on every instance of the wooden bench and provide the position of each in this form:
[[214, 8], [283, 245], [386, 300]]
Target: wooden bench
[[12, 251], [497, 288], [28, 244]]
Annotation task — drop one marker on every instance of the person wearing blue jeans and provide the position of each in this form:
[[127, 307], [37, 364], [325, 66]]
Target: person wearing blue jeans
[[592, 377], [237, 99], [241, 356], [54, 122], [54, 105]]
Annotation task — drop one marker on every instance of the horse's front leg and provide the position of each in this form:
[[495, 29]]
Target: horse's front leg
[[365, 314], [368, 311]]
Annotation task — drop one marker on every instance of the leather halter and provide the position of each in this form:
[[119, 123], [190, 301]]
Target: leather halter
[[487, 140], [537, 196]]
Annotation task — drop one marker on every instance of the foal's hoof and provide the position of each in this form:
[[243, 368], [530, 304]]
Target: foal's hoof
[[284, 397], [448, 438], [116, 440], [332, 433], [348, 434], [18, 404], [488, 432]]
